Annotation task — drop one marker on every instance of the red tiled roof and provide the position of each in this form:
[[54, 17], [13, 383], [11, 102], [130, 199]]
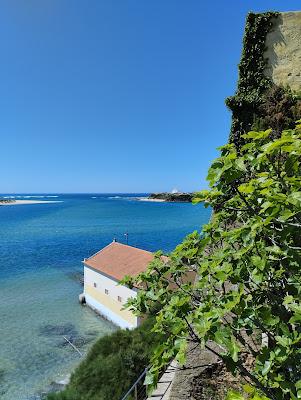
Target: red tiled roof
[[118, 260]]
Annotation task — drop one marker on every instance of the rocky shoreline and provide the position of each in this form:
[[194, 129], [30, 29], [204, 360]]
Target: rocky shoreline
[[4, 202], [10, 202], [172, 197]]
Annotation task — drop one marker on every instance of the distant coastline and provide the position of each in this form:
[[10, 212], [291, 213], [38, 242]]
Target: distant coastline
[[178, 197], [11, 202], [149, 199]]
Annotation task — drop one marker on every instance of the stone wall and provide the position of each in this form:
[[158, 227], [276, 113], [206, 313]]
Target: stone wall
[[284, 50], [183, 384]]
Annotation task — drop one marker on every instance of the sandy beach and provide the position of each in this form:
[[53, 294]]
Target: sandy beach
[[23, 202], [154, 200]]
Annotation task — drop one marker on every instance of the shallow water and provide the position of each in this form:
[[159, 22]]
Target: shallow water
[[41, 248]]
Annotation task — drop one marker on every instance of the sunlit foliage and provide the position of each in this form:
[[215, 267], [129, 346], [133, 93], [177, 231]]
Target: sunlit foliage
[[245, 303]]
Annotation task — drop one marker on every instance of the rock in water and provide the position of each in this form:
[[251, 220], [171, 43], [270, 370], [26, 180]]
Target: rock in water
[[58, 330], [173, 197]]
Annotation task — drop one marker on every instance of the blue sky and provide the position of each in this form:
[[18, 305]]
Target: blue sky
[[116, 95]]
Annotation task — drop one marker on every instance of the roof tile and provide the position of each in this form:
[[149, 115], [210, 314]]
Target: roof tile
[[118, 260]]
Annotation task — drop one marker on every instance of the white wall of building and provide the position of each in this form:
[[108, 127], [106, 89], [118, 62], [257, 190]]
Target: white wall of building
[[108, 298]]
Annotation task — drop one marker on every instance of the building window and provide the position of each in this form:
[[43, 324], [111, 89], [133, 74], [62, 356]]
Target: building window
[[119, 299], [95, 284], [106, 291]]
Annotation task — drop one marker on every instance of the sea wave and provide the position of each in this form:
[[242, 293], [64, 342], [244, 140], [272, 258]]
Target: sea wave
[[29, 197]]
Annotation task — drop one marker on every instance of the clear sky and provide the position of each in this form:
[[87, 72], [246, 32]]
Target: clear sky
[[116, 95]]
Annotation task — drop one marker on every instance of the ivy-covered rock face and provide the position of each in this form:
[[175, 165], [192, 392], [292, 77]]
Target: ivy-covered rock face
[[259, 103], [252, 82], [247, 295]]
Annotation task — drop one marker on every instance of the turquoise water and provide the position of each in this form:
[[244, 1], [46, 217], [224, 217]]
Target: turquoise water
[[41, 248]]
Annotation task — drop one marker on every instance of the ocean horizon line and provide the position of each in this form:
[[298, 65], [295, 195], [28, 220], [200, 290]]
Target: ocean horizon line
[[63, 193]]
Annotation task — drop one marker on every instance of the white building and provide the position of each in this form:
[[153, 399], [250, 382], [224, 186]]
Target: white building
[[102, 273]]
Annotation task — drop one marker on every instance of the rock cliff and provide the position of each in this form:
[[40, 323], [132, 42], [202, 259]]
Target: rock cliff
[[283, 52]]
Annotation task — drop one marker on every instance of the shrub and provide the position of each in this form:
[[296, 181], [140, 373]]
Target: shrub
[[112, 365], [278, 111]]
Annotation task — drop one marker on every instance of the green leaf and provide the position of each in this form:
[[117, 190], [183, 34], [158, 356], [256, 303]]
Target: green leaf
[[240, 164], [266, 368], [257, 135], [248, 388], [246, 188], [259, 397], [285, 215], [294, 198], [233, 395], [149, 379], [234, 350], [267, 317], [181, 346], [298, 384]]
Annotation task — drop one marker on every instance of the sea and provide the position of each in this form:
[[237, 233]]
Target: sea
[[41, 251]]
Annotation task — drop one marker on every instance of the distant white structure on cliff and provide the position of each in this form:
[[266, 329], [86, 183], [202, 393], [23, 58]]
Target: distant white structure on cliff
[[174, 191]]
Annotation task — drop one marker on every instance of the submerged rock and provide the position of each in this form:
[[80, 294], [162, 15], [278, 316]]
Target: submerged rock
[[60, 384], [55, 386], [77, 277], [64, 381], [92, 333], [77, 341], [2, 373], [56, 330], [2, 389]]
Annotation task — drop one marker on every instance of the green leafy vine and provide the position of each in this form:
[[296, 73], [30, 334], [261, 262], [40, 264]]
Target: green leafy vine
[[252, 83]]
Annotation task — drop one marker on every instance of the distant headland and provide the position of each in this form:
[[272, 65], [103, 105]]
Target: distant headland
[[171, 197]]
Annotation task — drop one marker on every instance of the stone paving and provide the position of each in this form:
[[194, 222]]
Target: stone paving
[[177, 383], [163, 390]]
